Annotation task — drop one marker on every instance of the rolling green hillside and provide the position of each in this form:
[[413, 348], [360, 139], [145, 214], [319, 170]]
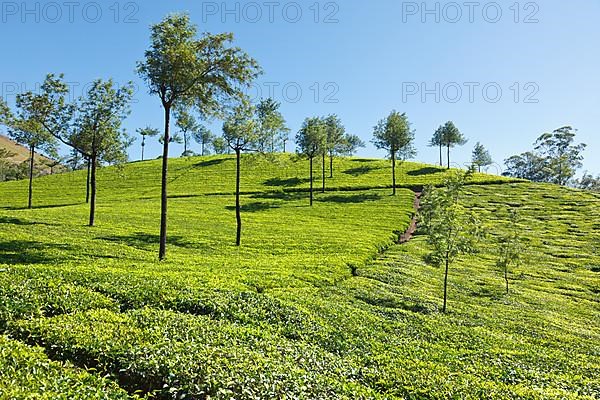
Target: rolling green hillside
[[318, 302]]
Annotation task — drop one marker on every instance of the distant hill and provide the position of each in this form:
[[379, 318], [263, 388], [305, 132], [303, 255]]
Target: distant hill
[[22, 153]]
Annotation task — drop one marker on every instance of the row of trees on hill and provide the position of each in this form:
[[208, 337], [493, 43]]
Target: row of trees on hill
[[555, 158]]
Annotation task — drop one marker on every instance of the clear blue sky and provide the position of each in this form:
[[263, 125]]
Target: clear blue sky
[[366, 58]]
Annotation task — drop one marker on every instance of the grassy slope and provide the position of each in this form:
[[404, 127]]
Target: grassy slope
[[283, 314]]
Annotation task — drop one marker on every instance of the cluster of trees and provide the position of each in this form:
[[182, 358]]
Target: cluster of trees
[[325, 137], [555, 159], [90, 125]]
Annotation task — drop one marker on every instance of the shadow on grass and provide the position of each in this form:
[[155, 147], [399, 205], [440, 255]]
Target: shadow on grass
[[29, 252], [286, 182], [22, 222], [145, 241], [41, 207], [285, 196], [254, 207], [425, 171], [361, 170], [209, 163], [354, 198], [364, 160]]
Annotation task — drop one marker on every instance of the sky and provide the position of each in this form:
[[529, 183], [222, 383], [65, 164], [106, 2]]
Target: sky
[[505, 72]]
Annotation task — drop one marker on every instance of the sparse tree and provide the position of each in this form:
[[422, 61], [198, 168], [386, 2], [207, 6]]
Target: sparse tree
[[451, 230], [311, 140], [97, 133], [219, 145], [204, 137], [272, 125], [481, 157], [335, 139], [241, 132], [436, 141], [144, 133], [350, 145], [25, 129], [510, 246], [188, 128], [185, 70], [451, 137], [394, 134]]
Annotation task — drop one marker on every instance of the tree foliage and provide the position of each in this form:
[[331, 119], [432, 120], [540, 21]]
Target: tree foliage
[[271, 124], [451, 229], [481, 157], [510, 246], [311, 140], [395, 135]]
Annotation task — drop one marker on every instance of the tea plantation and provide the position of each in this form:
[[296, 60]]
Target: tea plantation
[[318, 303]]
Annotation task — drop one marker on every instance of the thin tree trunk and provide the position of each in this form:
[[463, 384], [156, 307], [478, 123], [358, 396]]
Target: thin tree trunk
[[202, 150], [331, 165], [143, 146], [162, 252], [446, 283], [284, 146], [448, 156], [93, 190], [441, 160], [238, 215], [87, 186], [394, 173], [31, 165], [311, 181], [323, 175]]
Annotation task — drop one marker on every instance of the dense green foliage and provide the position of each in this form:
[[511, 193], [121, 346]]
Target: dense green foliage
[[319, 302]]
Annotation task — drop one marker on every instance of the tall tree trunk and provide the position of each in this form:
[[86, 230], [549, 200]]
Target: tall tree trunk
[[394, 173], [441, 160], [93, 190], [185, 144], [202, 150], [331, 164], [143, 146], [446, 282], [87, 185], [448, 156], [311, 181], [284, 146], [238, 214], [31, 165], [162, 252], [323, 175]]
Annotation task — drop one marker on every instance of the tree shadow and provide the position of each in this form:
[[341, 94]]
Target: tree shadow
[[361, 170], [364, 160], [209, 163], [144, 241], [424, 171], [40, 207], [355, 198], [254, 207], [22, 222], [285, 196], [286, 182], [29, 252]]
